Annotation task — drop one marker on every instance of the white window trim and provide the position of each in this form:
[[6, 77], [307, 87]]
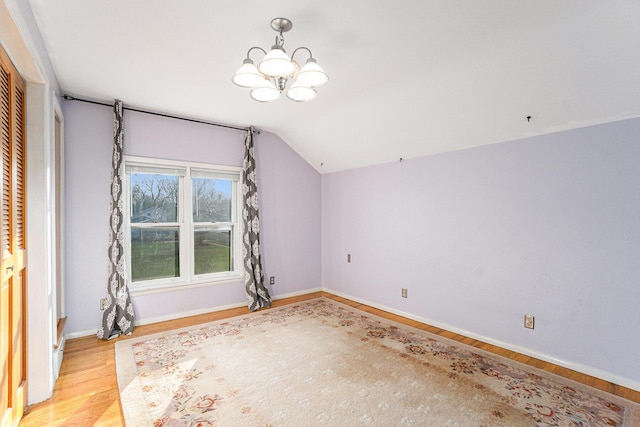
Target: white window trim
[[187, 279]]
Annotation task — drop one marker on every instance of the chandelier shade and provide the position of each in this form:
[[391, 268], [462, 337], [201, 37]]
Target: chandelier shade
[[247, 75], [265, 91], [277, 64], [277, 71], [311, 74], [298, 92]]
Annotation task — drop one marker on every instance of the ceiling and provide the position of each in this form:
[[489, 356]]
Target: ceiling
[[407, 78]]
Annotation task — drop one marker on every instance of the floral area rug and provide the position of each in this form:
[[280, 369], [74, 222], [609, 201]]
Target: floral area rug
[[320, 363]]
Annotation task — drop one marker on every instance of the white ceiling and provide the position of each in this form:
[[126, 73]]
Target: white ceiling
[[408, 78]]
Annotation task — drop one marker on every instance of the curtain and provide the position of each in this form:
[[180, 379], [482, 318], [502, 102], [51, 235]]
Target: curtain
[[257, 293], [118, 316]]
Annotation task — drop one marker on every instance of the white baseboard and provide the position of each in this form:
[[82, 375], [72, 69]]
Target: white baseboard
[[58, 354], [173, 316], [80, 334], [295, 294], [585, 369]]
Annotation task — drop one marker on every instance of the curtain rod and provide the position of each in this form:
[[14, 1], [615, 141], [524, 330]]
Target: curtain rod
[[73, 98]]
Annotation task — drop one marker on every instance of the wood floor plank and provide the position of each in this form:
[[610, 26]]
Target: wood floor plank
[[86, 393]]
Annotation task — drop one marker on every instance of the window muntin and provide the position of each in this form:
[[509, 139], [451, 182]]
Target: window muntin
[[176, 240]]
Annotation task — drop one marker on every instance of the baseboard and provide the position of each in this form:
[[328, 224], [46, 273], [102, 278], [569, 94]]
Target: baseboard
[[584, 369], [58, 354], [80, 334], [295, 294], [174, 316]]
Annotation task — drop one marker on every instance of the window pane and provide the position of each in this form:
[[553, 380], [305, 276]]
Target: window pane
[[211, 200], [155, 253], [154, 198], [212, 250]]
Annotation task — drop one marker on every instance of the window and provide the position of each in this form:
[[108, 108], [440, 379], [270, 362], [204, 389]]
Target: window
[[182, 227]]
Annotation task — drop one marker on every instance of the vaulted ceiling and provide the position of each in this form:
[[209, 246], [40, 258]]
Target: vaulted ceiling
[[407, 78]]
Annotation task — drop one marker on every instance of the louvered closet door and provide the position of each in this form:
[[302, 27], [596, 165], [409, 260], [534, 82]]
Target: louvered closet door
[[13, 273]]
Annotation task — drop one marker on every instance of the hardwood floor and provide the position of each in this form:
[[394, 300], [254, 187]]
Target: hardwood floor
[[86, 393]]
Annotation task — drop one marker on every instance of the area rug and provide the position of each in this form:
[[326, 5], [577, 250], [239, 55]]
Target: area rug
[[321, 363]]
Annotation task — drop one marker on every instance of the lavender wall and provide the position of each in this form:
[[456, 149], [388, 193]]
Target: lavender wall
[[548, 225], [290, 209]]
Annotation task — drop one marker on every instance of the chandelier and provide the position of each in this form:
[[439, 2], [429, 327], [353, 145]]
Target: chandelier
[[269, 79]]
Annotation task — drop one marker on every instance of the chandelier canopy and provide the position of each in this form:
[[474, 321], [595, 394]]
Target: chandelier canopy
[[269, 79]]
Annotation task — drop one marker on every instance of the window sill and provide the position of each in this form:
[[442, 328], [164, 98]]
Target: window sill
[[173, 286]]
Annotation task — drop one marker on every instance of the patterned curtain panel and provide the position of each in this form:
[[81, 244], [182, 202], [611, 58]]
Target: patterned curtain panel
[[257, 293], [118, 316]]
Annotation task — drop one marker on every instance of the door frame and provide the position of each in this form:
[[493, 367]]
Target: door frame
[[21, 38]]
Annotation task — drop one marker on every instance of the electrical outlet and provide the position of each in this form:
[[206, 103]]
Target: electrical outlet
[[529, 321], [348, 257], [404, 292], [272, 280], [103, 304]]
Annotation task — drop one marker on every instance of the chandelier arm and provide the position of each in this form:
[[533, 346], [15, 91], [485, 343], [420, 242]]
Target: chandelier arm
[[255, 47], [301, 47]]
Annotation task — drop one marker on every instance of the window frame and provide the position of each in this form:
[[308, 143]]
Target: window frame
[[186, 226]]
